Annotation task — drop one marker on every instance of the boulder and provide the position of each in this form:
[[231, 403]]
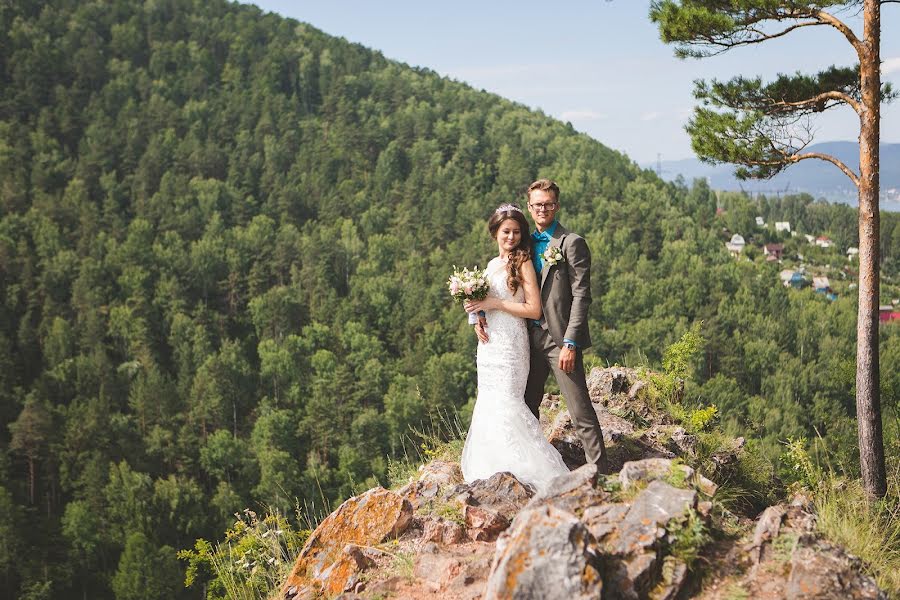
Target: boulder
[[501, 493], [483, 524], [649, 514], [606, 382], [547, 553], [648, 469], [323, 566], [633, 538], [682, 443], [562, 436], [458, 573], [560, 432], [441, 531], [825, 572], [573, 492], [432, 481], [768, 525]]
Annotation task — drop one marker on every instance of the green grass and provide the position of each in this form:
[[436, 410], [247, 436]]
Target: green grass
[[867, 527], [442, 439], [253, 561], [688, 536]]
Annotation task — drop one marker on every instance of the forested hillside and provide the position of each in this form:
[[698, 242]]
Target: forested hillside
[[224, 242]]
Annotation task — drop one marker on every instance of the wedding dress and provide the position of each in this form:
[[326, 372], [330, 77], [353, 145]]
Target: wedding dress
[[504, 434]]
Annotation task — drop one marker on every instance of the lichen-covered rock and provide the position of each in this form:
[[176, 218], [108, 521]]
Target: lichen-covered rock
[[633, 538], [441, 531], [609, 381], [322, 565], [648, 469], [458, 573], [501, 493], [547, 553], [616, 430], [650, 512], [574, 492], [681, 442], [768, 525], [432, 480], [825, 572], [483, 524], [562, 435]]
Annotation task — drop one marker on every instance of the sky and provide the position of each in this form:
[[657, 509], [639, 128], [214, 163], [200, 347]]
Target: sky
[[599, 65]]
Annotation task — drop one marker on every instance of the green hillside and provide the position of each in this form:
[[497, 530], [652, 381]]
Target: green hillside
[[224, 241]]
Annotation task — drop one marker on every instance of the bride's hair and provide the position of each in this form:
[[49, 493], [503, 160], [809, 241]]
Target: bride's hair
[[522, 252]]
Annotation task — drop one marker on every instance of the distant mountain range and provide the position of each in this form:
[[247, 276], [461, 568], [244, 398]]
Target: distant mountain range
[[815, 177]]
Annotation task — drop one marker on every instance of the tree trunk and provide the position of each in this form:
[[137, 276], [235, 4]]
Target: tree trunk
[[31, 478], [868, 401]]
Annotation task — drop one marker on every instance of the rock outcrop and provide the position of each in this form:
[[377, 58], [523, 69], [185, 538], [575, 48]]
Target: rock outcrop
[[632, 534], [335, 553]]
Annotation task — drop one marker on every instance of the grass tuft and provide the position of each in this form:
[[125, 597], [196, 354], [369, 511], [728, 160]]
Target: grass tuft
[[868, 528], [441, 439]]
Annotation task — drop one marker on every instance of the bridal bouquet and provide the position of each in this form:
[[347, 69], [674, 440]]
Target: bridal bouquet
[[468, 285]]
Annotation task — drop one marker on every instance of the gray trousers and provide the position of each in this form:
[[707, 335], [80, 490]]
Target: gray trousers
[[544, 359]]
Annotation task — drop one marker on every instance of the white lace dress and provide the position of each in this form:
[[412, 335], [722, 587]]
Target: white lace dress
[[504, 434]]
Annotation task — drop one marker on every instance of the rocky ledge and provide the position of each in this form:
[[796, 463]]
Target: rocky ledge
[[632, 534]]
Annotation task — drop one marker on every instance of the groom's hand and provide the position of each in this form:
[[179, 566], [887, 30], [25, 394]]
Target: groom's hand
[[566, 360], [481, 330]]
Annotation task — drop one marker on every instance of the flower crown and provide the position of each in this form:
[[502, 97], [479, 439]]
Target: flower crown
[[507, 208]]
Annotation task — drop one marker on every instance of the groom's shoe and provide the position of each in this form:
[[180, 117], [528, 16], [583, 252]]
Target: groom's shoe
[[603, 465]]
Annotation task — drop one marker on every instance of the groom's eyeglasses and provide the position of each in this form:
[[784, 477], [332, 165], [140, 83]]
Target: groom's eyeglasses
[[544, 206]]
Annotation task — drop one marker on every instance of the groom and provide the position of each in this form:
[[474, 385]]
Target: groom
[[563, 263]]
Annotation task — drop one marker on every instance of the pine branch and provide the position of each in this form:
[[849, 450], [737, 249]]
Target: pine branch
[[817, 103], [835, 161]]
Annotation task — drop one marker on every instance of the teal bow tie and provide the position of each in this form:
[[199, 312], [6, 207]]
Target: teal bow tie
[[540, 236]]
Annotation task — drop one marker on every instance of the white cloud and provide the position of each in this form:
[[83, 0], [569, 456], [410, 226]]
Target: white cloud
[[582, 115], [651, 116], [890, 66]]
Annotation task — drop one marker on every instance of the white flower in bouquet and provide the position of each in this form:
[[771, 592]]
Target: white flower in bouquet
[[468, 284]]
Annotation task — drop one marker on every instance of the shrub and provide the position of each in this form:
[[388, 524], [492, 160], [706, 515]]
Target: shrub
[[255, 558]]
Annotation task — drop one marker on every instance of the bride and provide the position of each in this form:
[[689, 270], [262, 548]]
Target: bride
[[504, 434]]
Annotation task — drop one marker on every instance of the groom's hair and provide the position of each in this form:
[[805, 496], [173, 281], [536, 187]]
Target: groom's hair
[[545, 185]]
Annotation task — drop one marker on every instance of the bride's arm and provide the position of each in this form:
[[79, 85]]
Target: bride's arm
[[530, 309]]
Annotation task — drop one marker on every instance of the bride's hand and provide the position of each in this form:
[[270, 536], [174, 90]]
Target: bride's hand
[[476, 305]]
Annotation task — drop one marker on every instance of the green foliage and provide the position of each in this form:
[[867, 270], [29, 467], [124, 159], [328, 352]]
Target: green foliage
[[743, 121], [146, 570], [679, 358], [702, 419], [224, 238], [686, 537], [443, 440], [868, 528], [255, 558]]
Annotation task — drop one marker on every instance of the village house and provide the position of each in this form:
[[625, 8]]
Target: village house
[[791, 278], [783, 226], [809, 238], [821, 284], [774, 250], [888, 313], [824, 242], [760, 222], [736, 245], [852, 252]]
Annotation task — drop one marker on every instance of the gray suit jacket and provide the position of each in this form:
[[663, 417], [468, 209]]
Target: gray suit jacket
[[566, 289]]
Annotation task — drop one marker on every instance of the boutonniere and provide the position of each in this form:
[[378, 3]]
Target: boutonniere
[[552, 255]]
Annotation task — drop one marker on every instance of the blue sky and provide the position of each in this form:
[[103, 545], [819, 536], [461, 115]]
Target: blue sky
[[599, 65]]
